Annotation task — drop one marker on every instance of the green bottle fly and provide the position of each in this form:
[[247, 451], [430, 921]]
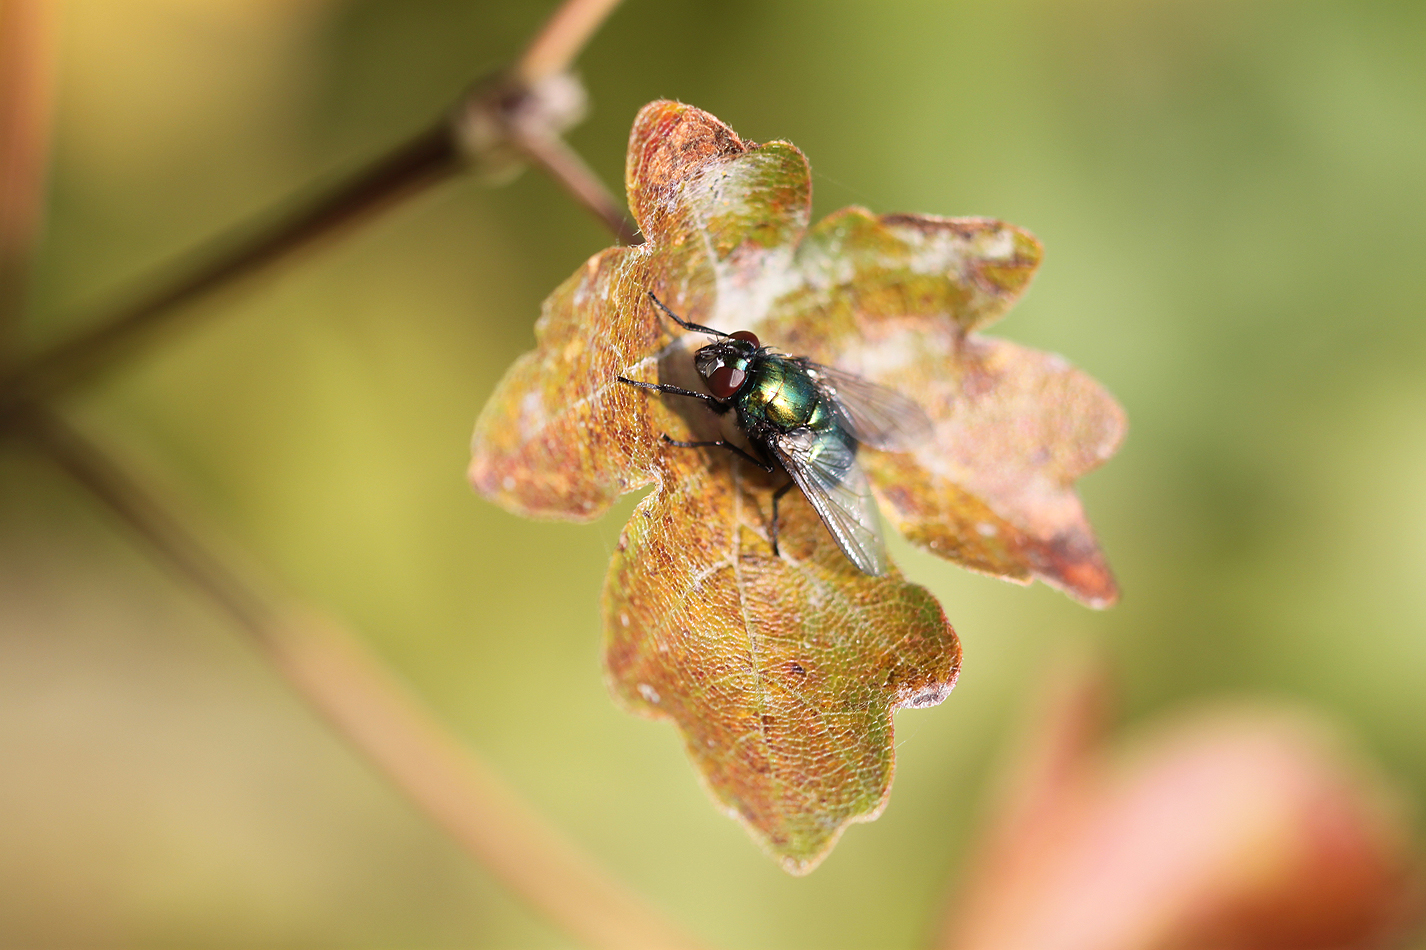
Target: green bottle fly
[[807, 419]]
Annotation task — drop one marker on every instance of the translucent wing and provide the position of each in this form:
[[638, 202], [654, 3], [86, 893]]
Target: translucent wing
[[874, 415], [825, 467]]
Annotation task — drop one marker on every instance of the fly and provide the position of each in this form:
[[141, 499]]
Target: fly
[[808, 419]]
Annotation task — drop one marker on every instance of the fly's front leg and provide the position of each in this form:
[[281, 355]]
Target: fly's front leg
[[777, 497], [715, 405], [682, 322], [719, 444]]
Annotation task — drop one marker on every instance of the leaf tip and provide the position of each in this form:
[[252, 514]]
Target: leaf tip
[[1074, 564], [668, 143], [1009, 274]]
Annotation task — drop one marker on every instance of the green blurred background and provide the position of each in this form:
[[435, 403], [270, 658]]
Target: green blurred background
[[1232, 197]]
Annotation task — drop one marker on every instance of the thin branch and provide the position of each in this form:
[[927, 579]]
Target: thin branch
[[327, 665], [27, 49], [426, 159], [555, 47], [379, 717], [526, 109], [563, 164], [541, 99]]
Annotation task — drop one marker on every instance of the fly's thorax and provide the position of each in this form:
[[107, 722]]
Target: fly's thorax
[[782, 394]]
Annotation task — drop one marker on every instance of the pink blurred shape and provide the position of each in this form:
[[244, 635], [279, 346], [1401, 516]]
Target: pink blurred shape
[[1249, 826]]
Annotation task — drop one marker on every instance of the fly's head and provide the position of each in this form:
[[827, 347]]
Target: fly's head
[[724, 365]]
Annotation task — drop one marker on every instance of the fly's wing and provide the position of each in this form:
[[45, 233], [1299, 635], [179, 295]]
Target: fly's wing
[[873, 415], [826, 470]]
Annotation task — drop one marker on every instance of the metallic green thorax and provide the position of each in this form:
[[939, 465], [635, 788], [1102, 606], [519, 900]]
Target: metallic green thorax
[[781, 394]]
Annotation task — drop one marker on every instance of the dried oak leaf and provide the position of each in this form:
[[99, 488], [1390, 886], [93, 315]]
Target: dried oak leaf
[[783, 672]]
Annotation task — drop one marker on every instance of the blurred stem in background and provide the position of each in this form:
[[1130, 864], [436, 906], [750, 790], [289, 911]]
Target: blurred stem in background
[[520, 113], [354, 692], [523, 112], [563, 36], [27, 52]]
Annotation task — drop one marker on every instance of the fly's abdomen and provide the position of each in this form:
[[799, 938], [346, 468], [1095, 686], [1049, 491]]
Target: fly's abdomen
[[829, 451]]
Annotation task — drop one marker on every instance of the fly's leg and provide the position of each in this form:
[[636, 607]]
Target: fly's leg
[[777, 497], [715, 405], [720, 444], [684, 323]]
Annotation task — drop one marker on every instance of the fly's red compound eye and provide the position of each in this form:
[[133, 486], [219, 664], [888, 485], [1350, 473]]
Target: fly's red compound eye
[[726, 381], [747, 336]]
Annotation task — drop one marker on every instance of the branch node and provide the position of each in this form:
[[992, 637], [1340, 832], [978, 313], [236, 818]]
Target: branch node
[[500, 112]]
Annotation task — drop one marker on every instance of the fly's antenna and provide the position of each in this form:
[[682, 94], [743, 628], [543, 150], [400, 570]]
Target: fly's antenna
[[684, 323]]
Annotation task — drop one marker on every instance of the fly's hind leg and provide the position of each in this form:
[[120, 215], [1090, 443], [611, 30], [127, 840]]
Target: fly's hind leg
[[772, 529]]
